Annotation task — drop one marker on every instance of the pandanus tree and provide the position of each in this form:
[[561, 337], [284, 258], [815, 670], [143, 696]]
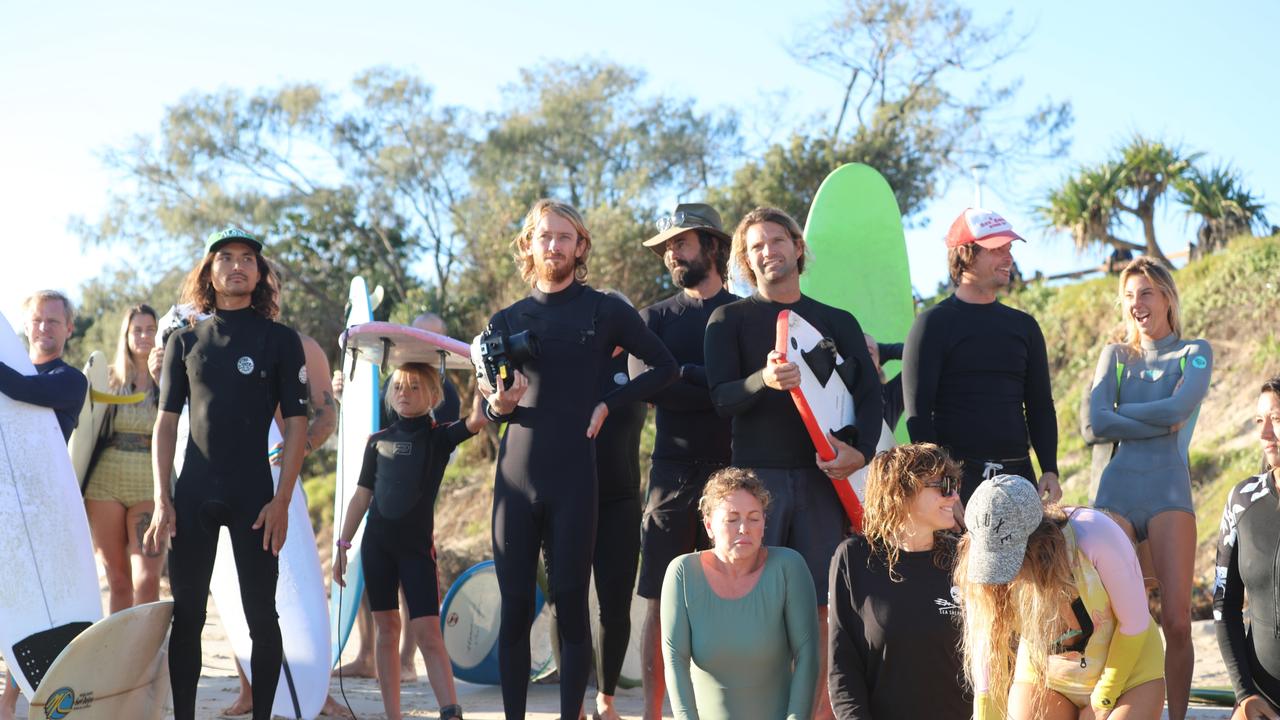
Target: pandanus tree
[[1226, 207]]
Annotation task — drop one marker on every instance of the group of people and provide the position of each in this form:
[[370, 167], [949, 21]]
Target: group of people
[[761, 601]]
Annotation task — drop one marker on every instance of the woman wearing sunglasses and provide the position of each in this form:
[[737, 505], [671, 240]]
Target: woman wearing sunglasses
[[893, 610], [1062, 586]]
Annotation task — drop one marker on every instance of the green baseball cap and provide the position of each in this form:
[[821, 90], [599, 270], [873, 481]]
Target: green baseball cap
[[231, 233]]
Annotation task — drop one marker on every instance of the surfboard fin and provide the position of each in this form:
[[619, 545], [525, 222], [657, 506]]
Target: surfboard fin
[[35, 653]]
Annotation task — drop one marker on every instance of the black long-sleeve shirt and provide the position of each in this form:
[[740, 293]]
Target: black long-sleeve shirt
[[56, 385], [892, 650], [688, 427], [1248, 554], [767, 429], [976, 381]]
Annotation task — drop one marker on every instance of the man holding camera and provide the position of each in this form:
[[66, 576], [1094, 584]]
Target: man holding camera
[[545, 492]]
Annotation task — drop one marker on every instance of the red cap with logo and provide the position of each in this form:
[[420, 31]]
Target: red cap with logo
[[983, 227]]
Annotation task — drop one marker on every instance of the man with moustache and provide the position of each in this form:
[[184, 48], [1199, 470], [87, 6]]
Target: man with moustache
[[692, 440], [975, 372], [546, 490]]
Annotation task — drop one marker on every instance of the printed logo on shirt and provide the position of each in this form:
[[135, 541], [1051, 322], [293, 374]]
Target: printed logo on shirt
[[620, 378], [245, 365], [302, 374], [949, 607], [1199, 362], [404, 448]]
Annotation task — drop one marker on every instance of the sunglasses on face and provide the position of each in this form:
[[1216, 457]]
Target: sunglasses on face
[[947, 485]]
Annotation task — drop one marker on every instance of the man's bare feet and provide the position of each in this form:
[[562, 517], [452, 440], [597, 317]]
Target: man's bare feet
[[243, 705], [408, 674], [357, 669], [333, 708]]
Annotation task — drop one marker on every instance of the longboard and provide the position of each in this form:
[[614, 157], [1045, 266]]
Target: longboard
[[469, 619], [389, 345], [358, 418], [50, 589], [859, 255], [118, 668], [824, 403], [300, 603]]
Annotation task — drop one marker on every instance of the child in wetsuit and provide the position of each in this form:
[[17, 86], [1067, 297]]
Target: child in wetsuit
[[403, 467]]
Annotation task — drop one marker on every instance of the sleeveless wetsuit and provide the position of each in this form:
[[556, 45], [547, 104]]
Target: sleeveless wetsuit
[[235, 367], [403, 467], [1248, 554], [1149, 473], [545, 489]]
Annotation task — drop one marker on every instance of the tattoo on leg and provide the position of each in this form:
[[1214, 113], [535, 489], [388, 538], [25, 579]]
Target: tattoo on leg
[[144, 521]]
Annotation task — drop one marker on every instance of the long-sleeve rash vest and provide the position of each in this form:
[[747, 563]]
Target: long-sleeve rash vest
[[688, 428], [975, 379], [767, 429], [56, 385]]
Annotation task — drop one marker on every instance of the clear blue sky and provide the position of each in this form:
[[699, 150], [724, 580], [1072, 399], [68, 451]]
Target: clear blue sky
[[79, 76]]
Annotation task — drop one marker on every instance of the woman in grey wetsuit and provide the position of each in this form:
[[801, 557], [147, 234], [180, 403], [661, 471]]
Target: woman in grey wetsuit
[[1146, 395]]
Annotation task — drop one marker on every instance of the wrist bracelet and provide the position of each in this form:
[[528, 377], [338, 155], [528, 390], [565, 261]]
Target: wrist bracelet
[[344, 544]]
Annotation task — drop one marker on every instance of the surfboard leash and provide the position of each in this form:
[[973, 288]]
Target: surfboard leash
[[342, 690]]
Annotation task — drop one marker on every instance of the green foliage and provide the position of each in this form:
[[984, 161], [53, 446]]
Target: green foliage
[[319, 490], [1226, 207]]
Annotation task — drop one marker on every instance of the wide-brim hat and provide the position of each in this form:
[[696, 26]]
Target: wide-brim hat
[[687, 216], [1000, 517], [981, 227], [230, 234]]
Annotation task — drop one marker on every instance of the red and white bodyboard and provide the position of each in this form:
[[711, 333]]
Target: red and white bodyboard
[[825, 404]]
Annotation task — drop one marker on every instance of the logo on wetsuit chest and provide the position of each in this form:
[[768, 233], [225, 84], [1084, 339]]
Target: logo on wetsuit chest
[[404, 448], [245, 365]]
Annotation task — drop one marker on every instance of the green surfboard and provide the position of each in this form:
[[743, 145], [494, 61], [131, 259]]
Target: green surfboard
[[858, 255]]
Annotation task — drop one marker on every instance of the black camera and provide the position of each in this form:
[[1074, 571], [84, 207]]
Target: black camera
[[496, 356]]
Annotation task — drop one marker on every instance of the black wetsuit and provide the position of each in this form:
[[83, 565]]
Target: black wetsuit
[[403, 467], [56, 385], [976, 381], [692, 440], [545, 490], [1248, 554], [891, 391], [235, 368]]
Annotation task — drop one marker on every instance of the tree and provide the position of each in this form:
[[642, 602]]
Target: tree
[[1225, 206], [900, 65]]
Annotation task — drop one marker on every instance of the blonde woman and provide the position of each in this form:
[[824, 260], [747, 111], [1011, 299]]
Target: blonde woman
[[893, 609], [1063, 586], [119, 493], [1146, 395]]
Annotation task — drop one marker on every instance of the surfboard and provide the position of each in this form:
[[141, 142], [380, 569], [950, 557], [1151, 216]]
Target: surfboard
[[300, 603], [1222, 696], [118, 668], [357, 418], [389, 346], [92, 415], [469, 619], [824, 403], [50, 589], [859, 255]]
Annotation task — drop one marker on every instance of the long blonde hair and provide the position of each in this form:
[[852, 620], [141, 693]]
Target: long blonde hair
[[1028, 610], [1159, 276], [894, 478], [122, 372]]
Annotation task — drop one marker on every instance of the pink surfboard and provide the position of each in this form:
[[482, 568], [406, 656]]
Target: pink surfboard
[[390, 345], [824, 402]]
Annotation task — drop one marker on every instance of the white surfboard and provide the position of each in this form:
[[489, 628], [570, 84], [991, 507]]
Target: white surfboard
[[469, 624], [92, 415], [49, 592], [858, 480], [357, 418], [300, 603], [119, 668]]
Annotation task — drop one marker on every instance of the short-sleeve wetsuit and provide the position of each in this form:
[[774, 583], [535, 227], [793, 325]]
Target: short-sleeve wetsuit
[[234, 368], [545, 489], [1158, 388], [403, 467], [1248, 553]]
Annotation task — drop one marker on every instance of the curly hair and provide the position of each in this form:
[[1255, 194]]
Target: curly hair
[[521, 244], [894, 478], [764, 215], [726, 482], [197, 289], [1160, 277]]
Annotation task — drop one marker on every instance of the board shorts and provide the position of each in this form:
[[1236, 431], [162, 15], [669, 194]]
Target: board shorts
[[805, 515], [671, 525], [389, 568], [973, 471]]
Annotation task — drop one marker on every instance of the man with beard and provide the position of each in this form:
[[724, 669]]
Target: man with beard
[[233, 369], [692, 440], [545, 490]]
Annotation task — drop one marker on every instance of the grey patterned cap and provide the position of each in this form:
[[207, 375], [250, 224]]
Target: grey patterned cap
[[1000, 516]]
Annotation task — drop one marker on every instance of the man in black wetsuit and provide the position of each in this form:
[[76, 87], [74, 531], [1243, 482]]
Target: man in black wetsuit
[[545, 491], [692, 440], [750, 383], [233, 369], [975, 373], [56, 385]]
